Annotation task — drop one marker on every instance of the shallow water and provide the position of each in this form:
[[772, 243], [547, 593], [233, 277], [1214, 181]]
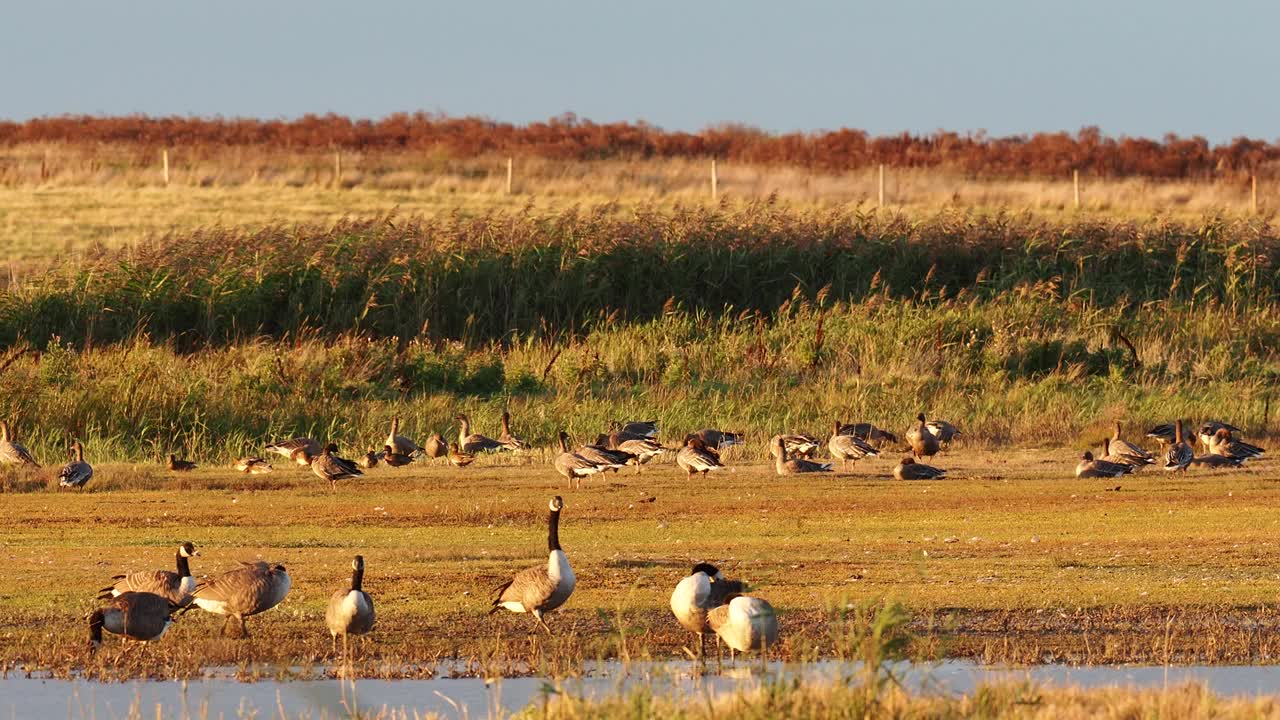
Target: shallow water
[[472, 697]]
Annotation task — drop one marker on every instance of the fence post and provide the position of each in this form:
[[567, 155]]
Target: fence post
[[1075, 181], [881, 195], [715, 180], [164, 161]]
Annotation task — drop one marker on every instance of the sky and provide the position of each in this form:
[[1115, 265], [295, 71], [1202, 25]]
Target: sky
[[1139, 68]]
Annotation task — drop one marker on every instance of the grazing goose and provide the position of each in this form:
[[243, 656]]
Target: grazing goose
[[922, 440], [140, 616], [474, 442], [944, 431], [296, 449], [1091, 468], [639, 428], [870, 433], [1179, 455], [402, 444], [848, 447], [176, 465], [783, 466], [77, 472], [350, 611], [1217, 461], [908, 469], [370, 459], [508, 438], [1127, 452], [1209, 430], [542, 588], [11, 451], [573, 466], [176, 587], [604, 458], [253, 466], [393, 458], [248, 590], [718, 439], [436, 447], [794, 445], [745, 624], [702, 590], [328, 466], [696, 457], [457, 458], [640, 450], [1222, 443]]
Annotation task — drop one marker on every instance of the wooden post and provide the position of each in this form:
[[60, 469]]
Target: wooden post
[[715, 180], [1075, 181], [1253, 204], [511, 172], [881, 185], [164, 160], [337, 168]]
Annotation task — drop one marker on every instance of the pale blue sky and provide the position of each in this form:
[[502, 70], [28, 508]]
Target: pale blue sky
[[1137, 68]]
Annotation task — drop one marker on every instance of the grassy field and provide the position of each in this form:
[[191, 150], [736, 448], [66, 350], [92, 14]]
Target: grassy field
[[1012, 559]]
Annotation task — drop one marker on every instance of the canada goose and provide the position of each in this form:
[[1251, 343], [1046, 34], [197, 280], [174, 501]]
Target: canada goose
[[176, 587], [717, 439], [457, 458], [794, 445], [474, 442], [1209, 430], [703, 589], [1222, 443], [176, 465], [1179, 455], [369, 459], [1091, 468], [908, 469], [542, 588], [696, 457], [77, 472], [640, 428], [745, 624], [436, 446], [1127, 451], [848, 447], [248, 590], [253, 466], [573, 466], [1217, 461], [922, 440], [11, 451], [350, 611], [870, 433], [402, 444], [507, 438], [393, 458], [328, 466], [140, 616], [296, 449], [783, 466]]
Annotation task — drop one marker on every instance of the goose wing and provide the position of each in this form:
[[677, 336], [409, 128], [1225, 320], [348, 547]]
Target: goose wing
[[165, 583], [75, 474], [530, 587], [850, 447], [16, 453], [288, 447], [1179, 455]]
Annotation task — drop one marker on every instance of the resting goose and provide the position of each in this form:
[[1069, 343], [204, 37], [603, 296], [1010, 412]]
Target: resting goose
[[474, 442], [848, 447], [508, 438], [1217, 461], [139, 616], [908, 469], [1179, 455], [745, 624], [176, 587], [393, 458], [702, 590], [296, 449], [458, 458], [402, 444], [248, 590], [922, 440], [542, 588], [253, 466], [1209, 431], [696, 457], [77, 472], [1222, 443], [1088, 467], [350, 610], [794, 445], [11, 451], [783, 466], [369, 460], [176, 465]]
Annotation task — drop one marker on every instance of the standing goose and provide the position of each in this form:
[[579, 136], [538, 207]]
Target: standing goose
[[176, 465], [176, 587], [401, 444], [639, 428], [783, 466], [1088, 467], [718, 439], [328, 466], [474, 442], [573, 466], [140, 616], [369, 460], [436, 447], [508, 438], [696, 457], [77, 472], [253, 466], [11, 451], [395, 459], [794, 444], [605, 458], [1179, 455], [702, 590], [745, 624], [1127, 452], [350, 611], [1222, 443], [296, 449], [908, 469], [248, 590], [542, 588], [1111, 453], [922, 440], [848, 447], [944, 431], [641, 450]]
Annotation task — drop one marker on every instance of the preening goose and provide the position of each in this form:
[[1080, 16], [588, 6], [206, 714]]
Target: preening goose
[[1209, 431], [458, 458], [573, 466], [248, 590], [139, 616], [253, 466], [402, 444], [908, 469], [696, 457], [508, 438], [436, 446], [176, 465], [702, 590], [176, 587], [848, 447], [11, 451], [783, 466], [794, 445], [328, 466], [922, 440], [1088, 467], [745, 624], [1222, 443], [943, 430], [543, 588], [718, 439], [350, 610], [474, 442], [77, 472], [393, 458], [296, 449], [1179, 455]]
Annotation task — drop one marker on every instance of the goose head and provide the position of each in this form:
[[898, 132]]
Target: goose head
[[1086, 456], [708, 569], [188, 550], [330, 449], [556, 504], [908, 461], [358, 563]]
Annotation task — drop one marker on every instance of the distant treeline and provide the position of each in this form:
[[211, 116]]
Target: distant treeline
[[570, 138]]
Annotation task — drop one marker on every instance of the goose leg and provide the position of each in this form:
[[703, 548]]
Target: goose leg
[[537, 614]]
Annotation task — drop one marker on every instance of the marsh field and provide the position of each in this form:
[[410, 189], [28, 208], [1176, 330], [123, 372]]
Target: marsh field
[[208, 319]]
